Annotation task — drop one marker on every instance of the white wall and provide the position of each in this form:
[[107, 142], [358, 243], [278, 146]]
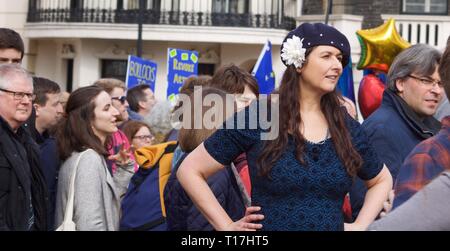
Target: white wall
[[46, 61]]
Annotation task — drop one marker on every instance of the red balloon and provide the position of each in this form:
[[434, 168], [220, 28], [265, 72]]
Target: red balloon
[[370, 94]]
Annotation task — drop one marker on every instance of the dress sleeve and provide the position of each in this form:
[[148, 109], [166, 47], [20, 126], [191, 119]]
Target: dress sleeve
[[232, 139], [371, 166]]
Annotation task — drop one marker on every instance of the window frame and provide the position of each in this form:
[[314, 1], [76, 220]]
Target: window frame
[[427, 6], [104, 62], [227, 7]]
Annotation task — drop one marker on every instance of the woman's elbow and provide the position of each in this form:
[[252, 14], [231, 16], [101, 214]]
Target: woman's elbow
[[384, 178], [387, 177], [187, 171], [182, 172]]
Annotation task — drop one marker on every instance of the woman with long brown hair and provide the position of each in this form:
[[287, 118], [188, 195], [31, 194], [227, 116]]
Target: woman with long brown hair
[[82, 138], [300, 178]]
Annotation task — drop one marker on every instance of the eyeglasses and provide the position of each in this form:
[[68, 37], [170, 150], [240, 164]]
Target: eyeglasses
[[430, 83], [20, 95], [121, 99], [144, 137]]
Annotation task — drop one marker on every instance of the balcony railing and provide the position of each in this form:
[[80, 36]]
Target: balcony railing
[[431, 30], [150, 16]]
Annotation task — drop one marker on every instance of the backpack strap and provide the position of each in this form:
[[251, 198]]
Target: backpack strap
[[170, 148], [165, 169]]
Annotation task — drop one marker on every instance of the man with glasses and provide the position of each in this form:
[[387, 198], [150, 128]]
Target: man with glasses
[[405, 117], [23, 191], [11, 47], [429, 158]]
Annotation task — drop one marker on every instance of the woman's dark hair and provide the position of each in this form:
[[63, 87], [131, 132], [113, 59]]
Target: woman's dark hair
[[190, 138], [190, 83], [290, 122], [74, 132], [189, 86], [233, 80]]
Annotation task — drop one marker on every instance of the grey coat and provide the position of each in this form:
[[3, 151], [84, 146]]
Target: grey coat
[[427, 210], [96, 199]]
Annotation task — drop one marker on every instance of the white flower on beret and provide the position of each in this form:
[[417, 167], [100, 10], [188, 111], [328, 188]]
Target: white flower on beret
[[293, 52]]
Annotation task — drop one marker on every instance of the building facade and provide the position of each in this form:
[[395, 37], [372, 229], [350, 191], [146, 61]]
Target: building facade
[[75, 42]]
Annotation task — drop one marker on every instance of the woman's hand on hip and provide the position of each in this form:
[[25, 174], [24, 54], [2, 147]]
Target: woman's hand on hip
[[247, 222]]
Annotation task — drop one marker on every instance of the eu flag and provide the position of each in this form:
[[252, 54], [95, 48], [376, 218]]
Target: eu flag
[[263, 71]]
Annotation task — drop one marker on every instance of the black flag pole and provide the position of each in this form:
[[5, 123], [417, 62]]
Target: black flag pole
[[327, 13], [140, 21]]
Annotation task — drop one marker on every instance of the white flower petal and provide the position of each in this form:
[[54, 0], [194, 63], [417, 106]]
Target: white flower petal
[[293, 52]]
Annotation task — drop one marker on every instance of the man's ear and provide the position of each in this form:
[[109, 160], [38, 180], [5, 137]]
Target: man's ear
[[141, 104], [37, 109], [400, 85]]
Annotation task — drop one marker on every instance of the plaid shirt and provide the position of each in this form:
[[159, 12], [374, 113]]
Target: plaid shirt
[[426, 161]]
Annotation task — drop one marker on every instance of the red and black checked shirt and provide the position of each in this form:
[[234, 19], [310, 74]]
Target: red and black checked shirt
[[426, 161]]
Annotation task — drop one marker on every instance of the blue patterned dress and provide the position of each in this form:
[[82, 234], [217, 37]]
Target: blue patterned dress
[[295, 197]]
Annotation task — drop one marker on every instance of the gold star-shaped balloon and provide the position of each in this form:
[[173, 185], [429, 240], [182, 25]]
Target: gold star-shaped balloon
[[379, 46]]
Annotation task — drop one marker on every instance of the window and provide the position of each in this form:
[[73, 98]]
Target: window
[[126, 11], [175, 5], [425, 6], [206, 69], [76, 4], [231, 13], [231, 6], [112, 68], [149, 4]]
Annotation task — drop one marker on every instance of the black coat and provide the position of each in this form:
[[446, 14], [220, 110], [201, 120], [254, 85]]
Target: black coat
[[21, 181], [49, 162]]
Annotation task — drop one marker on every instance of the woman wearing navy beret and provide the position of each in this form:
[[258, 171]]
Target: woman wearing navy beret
[[299, 178]]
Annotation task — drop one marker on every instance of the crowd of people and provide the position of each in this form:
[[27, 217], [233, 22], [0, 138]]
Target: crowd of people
[[95, 156]]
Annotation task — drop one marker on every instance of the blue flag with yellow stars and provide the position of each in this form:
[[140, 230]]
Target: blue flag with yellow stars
[[263, 71]]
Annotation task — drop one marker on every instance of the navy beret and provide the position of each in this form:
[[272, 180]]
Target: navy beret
[[321, 34]]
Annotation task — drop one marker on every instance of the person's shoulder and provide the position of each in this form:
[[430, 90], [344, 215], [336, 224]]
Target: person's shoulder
[[379, 118], [430, 146], [386, 123], [350, 121], [87, 156], [446, 177]]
